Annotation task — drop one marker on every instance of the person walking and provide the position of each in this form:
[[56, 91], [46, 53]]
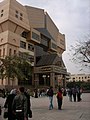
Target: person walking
[[59, 98], [50, 95], [74, 91], [70, 94], [8, 104], [19, 105]]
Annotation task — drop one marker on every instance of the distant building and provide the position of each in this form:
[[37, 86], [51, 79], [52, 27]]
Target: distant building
[[80, 77], [30, 29]]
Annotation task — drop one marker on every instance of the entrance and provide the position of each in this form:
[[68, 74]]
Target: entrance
[[44, 79]]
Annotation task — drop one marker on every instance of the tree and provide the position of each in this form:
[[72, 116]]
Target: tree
[[12, 67], [80, 53]]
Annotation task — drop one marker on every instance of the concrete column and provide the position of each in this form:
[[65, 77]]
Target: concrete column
[[36, 80], [52, 80]]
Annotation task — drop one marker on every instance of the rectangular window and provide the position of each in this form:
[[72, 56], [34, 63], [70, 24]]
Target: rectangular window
[[14, 52], [30, 47], [10, 52], [3, 52], [54, 46], [22, 44], [35, 36]]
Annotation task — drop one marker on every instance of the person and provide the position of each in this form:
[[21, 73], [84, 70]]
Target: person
[[70, 94], [78, 94], [19, 105], [28, 104], [74, 91], [50, 95], [8, 104], [59, 98]]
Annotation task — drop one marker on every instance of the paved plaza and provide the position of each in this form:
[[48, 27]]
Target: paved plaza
[[70, 110]]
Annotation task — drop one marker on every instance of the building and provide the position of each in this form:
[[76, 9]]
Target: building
[[80, 77], [30, 29]]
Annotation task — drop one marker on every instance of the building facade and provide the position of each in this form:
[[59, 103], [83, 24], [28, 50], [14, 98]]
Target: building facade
[[30, 29], [80, 77]]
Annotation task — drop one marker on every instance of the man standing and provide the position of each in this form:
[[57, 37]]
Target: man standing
[[50, 94], [19, 105]]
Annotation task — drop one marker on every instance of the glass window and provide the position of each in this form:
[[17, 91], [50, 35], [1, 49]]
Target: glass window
[[54, 46], [35, 36], [30, 47], [22, 44]]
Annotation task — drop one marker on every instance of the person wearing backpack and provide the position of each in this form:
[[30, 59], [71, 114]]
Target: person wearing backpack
[[50, 95], [19, 105]]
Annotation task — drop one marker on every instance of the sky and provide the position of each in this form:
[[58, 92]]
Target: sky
[[72, 18]]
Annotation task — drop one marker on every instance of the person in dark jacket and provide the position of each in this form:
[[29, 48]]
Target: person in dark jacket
[[29, 112], [59, 98], [19, 105], [50, 95], [8, 104]]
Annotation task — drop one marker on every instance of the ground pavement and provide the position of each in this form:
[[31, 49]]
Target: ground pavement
[[70, 110]]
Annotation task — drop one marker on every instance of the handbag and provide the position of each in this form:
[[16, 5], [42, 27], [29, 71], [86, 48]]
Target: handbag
[[30, 113], [5, 115]]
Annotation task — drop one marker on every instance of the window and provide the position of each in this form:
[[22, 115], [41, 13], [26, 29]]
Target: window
[[24, 34], [2, 13], [35, 36], [30, 47], [3, 52], [54, 46], [16, 12], [14, 52], [22, 44], [21, 18], [10, 52], [18, 15]]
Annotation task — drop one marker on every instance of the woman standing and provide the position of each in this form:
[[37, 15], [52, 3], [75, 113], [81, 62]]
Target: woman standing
[[59, 98]]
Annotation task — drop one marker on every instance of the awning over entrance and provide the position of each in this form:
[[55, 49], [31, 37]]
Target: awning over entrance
[[49, 64]]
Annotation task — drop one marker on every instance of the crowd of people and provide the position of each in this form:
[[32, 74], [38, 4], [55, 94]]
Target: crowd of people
[[19, 106], [74, 94]]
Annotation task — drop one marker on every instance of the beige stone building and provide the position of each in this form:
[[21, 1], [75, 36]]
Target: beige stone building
[[80, 77], [30, 29]]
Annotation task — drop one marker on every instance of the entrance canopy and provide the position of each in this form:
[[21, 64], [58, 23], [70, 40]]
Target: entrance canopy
[[49, 64]]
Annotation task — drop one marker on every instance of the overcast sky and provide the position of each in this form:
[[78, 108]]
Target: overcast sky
[[72, 17]]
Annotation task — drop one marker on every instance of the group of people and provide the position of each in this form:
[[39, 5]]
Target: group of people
[[75, 94], [59, 96], [18, 104]]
